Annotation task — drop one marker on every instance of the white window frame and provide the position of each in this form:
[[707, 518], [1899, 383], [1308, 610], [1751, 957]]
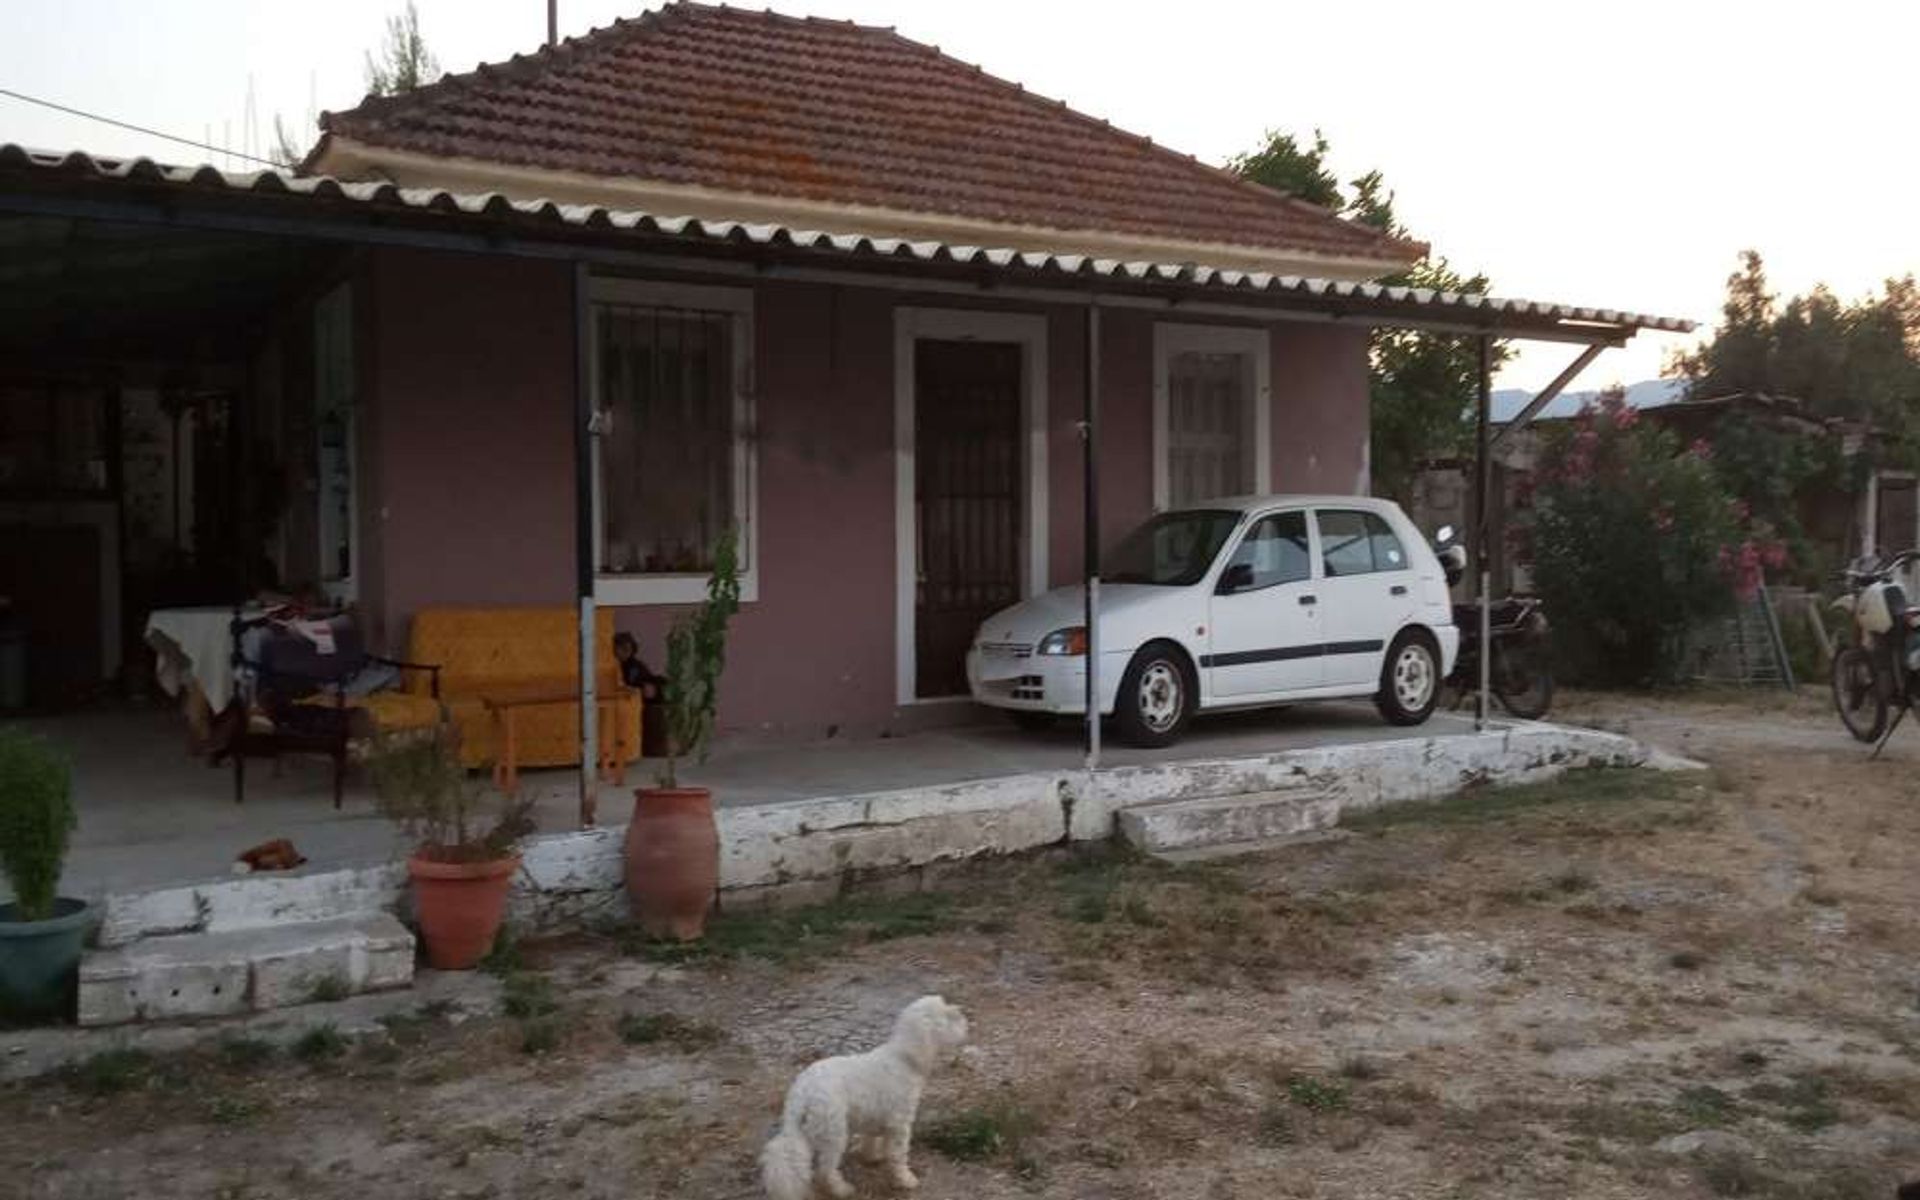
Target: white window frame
[[341, 589], [1171, 339], [910, 325], [687, 587]]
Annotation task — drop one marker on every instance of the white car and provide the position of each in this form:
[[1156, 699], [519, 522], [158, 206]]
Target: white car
[[1230, 604]]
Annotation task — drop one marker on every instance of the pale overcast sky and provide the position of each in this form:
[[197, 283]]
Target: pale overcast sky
[[1617, 155]]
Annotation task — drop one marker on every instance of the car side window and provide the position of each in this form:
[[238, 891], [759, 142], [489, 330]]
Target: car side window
[[1358, 543], [1275, 550], [1387, 552]]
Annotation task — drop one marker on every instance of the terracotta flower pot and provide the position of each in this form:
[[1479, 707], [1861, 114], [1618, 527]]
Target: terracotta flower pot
[[460, 907], [673, 861]]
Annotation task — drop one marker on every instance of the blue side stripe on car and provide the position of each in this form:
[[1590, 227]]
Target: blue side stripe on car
[[1241, 658]]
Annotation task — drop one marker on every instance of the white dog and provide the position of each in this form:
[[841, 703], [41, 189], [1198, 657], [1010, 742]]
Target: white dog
[[868, 1100]]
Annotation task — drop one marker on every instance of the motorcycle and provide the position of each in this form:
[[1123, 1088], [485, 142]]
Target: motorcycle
[[1880, 669], [1521, 672]]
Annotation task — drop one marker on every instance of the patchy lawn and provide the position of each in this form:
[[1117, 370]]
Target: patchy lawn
[[1616, 985]]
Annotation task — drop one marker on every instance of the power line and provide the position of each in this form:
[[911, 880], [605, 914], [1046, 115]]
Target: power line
[[141, 129]]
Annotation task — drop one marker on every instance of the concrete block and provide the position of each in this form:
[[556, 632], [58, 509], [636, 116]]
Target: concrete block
[[220, 974], [1221, 820]]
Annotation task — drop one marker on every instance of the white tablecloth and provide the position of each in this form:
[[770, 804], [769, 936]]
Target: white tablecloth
[[196, 644]]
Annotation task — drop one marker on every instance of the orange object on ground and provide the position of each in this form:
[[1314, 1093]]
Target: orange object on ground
[[276, 855]]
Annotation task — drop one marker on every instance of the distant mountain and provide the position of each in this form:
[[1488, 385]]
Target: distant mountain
[[1648, 393]]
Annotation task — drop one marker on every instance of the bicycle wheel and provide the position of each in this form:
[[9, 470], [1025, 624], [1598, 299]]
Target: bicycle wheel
[[1856, 696]]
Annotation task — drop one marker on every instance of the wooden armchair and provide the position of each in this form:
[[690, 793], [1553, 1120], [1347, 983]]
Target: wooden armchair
[[300, 695]]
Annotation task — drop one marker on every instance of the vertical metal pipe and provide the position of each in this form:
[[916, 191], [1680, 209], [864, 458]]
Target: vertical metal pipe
[[1091, 457], [1483, 505], [553, 22], [583, 531]]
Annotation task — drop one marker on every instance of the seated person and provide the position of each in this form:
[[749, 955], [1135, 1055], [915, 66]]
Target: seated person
[[635, 673]]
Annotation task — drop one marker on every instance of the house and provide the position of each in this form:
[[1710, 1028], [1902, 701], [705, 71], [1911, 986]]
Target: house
[[536, 333]]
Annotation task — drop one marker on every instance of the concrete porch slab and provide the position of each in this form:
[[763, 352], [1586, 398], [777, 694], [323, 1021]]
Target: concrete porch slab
[[151, 816]]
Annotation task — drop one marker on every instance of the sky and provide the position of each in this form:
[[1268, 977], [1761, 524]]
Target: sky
[[1616, 155]]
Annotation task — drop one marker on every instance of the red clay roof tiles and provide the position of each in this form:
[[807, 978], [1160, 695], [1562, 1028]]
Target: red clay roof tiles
[[833, 112]]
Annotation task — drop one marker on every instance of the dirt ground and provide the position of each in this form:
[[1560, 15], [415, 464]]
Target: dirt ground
[[1623, 984]]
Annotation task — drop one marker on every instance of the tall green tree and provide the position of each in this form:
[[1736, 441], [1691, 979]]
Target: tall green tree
[[404, 63], [1858, 360], [1423, 384]]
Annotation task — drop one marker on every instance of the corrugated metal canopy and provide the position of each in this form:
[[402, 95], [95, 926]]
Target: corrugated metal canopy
[[138, 189]]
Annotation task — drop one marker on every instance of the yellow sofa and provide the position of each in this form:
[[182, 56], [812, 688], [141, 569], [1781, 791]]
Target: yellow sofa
[[512, 652]]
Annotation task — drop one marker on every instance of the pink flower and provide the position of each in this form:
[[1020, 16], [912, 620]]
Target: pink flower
[[1701, 448], [1774, 555], [1742, 510]]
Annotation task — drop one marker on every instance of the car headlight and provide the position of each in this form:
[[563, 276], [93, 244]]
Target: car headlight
[[1064, 642]]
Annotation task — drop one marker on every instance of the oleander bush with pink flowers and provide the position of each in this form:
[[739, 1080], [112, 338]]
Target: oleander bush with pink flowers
[[1636, 542]]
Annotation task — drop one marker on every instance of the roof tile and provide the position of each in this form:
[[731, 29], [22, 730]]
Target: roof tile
[[830, 111]]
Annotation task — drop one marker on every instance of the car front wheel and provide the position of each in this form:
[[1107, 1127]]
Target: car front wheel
[[1409, 680], [1156, 699]]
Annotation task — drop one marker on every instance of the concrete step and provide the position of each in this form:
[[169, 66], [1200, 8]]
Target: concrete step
[[1223, 820], [249, 970], [1204, 854]]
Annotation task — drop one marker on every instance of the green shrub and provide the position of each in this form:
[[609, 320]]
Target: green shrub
[[696, 657], [322, 1043], [36, 817], [1636, 543]]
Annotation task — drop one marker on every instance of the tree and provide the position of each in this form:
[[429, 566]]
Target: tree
[[1424, 385], [1282, 165], [286, 151], [1856, 361], [405, 63], [1636, 543], [1859, 361]]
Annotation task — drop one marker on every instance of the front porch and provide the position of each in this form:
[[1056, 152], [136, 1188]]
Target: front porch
[[152, 816]]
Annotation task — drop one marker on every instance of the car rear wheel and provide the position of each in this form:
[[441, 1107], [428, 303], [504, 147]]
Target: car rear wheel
[[1156, 699], [1409, 680]]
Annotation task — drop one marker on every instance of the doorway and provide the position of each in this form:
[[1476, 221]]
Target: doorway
[[966, 499], [972, 494]]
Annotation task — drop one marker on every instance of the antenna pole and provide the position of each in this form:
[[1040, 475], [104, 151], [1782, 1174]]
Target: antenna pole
[[553, 22]]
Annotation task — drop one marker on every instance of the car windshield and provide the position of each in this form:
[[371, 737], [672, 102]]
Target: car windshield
[[1173, 549]]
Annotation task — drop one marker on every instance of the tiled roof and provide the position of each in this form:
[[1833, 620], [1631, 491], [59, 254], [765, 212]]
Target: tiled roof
[[833, 112], [168, 193]]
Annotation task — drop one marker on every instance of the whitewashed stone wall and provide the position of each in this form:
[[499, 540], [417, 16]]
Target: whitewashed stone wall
[[806, 849]]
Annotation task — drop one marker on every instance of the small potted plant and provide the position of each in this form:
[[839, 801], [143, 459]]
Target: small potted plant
[[41, 931], [464, 858], [673, 847]]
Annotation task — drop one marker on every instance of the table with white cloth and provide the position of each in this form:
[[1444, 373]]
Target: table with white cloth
[[193, 659], [194, 646]]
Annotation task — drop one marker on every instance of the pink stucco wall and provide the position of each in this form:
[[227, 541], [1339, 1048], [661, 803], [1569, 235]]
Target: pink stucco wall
[[467, 448], [470, 495], [1320, 411], [814, 654]]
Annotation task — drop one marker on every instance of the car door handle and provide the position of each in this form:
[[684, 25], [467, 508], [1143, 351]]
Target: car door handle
[[1309, 600], [1399, 589]]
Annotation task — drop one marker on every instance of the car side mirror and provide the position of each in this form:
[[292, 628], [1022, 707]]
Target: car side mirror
[[1236, 577]]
